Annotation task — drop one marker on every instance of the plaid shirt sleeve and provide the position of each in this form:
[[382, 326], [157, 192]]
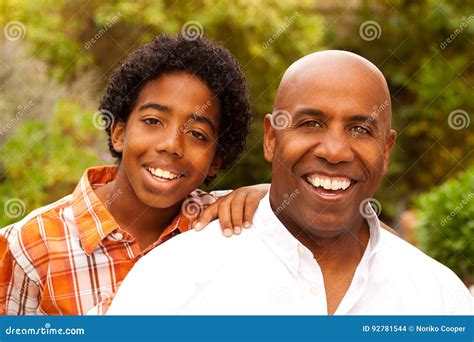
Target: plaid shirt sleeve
[[18, 293]]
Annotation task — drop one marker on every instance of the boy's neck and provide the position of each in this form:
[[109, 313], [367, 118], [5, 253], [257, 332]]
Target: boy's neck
[[144, 223]]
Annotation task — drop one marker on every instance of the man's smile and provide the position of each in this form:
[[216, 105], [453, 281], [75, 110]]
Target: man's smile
[[329, 187]]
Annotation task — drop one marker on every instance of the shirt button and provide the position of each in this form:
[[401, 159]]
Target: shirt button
[[118, 236]]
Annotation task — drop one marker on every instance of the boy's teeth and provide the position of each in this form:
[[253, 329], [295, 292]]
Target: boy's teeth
[[162, 173], [329, 184]]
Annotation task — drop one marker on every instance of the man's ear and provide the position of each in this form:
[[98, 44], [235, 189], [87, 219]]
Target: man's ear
[[215, 165], [117, 135], [268, 138], [389, 143]]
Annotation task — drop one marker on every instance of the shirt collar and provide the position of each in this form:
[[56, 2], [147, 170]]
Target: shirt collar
[[288, 249], [93, 220]]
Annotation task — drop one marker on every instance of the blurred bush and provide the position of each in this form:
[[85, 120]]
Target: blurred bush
[[446, 226]]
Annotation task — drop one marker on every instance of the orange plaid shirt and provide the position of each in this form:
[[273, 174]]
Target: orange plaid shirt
[[69, 256]]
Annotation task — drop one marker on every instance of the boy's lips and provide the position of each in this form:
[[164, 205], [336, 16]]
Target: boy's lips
[[166, 181]]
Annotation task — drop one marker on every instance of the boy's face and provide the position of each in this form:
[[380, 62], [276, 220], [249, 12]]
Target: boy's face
[[169, 142]]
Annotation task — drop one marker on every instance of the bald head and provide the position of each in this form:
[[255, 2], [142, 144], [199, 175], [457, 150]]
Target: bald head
[[343, 73], [331, 123]]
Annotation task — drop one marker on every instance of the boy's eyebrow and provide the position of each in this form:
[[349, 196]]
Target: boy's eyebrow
[[192, 117], [202, 119], [156, 106]]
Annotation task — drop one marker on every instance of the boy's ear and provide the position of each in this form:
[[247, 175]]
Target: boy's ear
[[117, 133], [268, 138], [215, 166]]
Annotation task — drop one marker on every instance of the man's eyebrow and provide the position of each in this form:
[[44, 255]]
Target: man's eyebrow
[[310, 111], [202, 119], [154, 105]]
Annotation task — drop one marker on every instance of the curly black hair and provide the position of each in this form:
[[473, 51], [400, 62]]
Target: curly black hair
[[210, 62]]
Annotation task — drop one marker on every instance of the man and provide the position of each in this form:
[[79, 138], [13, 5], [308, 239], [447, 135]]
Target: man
[[316, 246]]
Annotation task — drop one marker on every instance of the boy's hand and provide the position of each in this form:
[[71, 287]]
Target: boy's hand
[[235, 210]]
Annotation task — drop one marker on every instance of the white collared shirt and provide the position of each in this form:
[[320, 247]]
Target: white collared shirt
[[266, 271]]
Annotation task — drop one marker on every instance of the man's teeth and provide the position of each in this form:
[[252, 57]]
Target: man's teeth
[[162, 173], [329, 184]]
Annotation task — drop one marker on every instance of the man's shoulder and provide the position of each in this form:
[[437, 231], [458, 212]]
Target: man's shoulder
[[408, 260], [206, 246]]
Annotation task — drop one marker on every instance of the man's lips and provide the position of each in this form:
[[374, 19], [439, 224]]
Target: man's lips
[[329, 187]]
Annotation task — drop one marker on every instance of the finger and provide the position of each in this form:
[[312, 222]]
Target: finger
[[209, 214], [237, 212], [251, 205], [225, 218]]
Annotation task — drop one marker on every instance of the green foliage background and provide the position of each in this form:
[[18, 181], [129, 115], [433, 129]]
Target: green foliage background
[[58, 69]]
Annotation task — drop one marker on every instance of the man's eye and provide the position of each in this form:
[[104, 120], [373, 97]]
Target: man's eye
[[360, 130], [198, 135], [311, 123], [151, 121]]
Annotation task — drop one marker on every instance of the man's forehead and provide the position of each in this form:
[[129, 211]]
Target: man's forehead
[[339, 78]]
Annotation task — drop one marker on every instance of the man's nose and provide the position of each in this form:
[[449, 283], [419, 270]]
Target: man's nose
[[334, 147]]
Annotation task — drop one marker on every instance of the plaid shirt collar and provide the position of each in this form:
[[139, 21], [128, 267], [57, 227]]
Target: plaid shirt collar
[[96, 221]]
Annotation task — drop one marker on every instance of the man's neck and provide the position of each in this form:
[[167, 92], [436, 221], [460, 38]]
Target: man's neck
[[144, 223], [338, 255]]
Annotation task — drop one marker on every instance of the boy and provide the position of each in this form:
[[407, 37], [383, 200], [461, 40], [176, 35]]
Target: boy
[[177, 112]]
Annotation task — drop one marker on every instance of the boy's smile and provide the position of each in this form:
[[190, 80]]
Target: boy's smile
[[169, 141]]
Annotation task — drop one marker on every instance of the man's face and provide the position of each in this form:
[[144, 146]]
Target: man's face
[[169, 142], [334, 152]]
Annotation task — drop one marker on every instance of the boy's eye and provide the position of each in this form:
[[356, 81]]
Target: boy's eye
[[151, 121], [198, 135], [311, 123], [360, 130]]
